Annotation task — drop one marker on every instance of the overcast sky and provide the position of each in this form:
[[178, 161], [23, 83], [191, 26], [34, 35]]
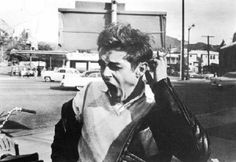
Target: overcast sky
[[211, 17]]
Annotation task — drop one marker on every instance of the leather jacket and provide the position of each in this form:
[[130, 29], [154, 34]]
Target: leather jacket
[[175, 130]]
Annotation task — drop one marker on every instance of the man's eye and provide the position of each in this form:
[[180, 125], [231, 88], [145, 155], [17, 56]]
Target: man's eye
[[114, 67]]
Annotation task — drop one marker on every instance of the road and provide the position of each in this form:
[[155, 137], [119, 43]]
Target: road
[[215, 108], [33, 94]]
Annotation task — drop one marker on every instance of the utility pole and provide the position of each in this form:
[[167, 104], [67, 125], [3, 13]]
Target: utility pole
[[208, 48], [182, 51], [188, 49], [113, 11]]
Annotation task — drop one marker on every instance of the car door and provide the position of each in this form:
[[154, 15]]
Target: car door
[[58, 75]]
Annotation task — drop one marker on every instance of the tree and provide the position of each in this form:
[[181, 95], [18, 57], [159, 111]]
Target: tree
[[5, 40], [44, 46], [214, 68], [18, 43], [199, 60]]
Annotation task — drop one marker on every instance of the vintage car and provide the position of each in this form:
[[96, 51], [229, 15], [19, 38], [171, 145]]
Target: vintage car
[[78, 81], [58, 74], [228, 79]]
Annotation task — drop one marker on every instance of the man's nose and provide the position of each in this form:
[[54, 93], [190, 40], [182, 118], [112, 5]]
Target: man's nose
[[107, 73]]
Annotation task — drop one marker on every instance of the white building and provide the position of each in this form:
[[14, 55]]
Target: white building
[[173, 57], [82, 60], [196, 58], [200, 57]]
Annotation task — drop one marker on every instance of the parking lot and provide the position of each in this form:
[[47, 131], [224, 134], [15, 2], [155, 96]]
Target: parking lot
[[215, 108]]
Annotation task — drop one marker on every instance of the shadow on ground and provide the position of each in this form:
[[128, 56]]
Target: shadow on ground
[[225, 131]]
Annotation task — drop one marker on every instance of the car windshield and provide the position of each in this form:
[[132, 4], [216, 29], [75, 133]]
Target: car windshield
[[94, 75], [87, 73], [230, 75]]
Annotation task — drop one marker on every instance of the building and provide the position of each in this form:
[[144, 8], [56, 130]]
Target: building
[[197, 58], [173, 57], [79, 27], [227, 58], [82, 60], [52, 58]]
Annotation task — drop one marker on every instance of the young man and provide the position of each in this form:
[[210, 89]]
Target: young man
[[116, 121]]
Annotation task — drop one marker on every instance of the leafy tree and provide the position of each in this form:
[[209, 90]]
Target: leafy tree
[[199, 60], [3, 37], [18, 43], [44, 46]]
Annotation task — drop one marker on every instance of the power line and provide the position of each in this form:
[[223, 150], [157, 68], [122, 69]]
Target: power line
[[208, 47]]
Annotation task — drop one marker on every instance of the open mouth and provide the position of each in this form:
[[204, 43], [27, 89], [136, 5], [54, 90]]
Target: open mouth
[[113, 91], [112, 88]]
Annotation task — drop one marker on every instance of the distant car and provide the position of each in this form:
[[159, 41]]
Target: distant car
[[27, 71], [57, 75], [228, 79], [78, 81], [195, 75], [208, 75]]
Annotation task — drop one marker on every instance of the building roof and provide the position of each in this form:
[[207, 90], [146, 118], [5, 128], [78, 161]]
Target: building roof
[[229, 45], [82, 56], [39, 52], [202, 52], [93, 11]]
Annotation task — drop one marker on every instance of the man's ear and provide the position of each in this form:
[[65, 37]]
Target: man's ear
[[141, 69]]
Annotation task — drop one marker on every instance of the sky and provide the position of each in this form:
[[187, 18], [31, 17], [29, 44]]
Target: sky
[[211, 17]]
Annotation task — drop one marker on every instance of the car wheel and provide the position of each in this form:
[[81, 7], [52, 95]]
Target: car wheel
[[47, 79]]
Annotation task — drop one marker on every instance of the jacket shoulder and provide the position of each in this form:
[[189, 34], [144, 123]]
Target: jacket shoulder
[[67, 109]]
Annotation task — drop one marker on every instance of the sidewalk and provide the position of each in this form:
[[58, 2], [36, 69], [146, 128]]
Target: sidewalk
[[39, 140]]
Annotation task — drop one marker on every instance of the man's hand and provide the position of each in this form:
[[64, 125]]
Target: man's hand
[[7, 145], [161, 69]]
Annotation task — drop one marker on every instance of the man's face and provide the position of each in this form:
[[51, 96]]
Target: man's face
[[117, 73]]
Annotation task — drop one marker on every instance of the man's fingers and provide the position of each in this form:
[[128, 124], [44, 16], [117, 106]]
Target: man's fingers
[[161, 62], [161, 69], [162, 54]]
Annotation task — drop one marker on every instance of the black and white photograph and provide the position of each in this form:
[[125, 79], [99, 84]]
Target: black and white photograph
[[117, 81]]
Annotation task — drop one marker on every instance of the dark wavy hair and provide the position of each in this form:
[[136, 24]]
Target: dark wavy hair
[[124, 38]]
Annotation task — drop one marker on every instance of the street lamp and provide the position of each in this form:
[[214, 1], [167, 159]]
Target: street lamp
[[189, 28]]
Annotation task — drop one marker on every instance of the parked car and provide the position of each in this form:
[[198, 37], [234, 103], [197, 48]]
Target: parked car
[[27, 71], [195, 75], [57, 74], [228, 79], [78, 81], [208, 75]]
